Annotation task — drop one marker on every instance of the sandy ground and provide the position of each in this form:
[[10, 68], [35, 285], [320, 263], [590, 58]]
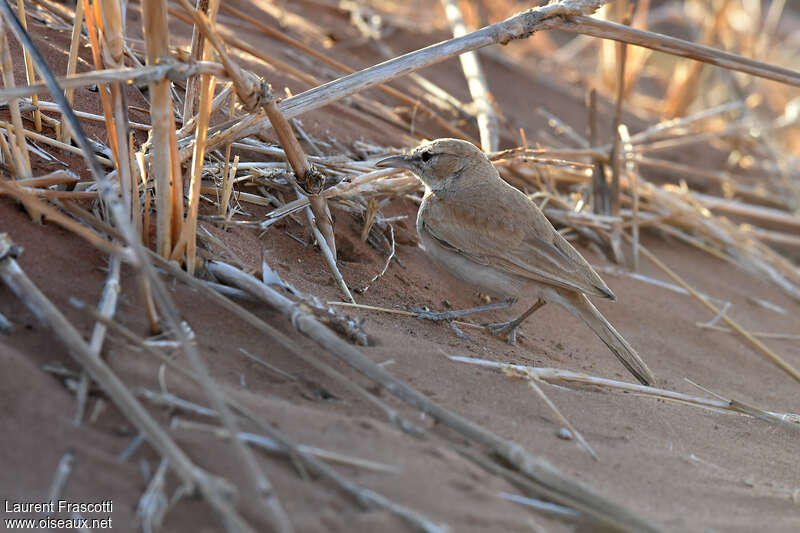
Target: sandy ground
[[685, 468]]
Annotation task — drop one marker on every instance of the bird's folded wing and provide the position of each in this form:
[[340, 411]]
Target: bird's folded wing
[[532, 249]]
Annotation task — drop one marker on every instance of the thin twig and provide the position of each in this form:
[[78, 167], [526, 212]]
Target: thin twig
[[15, 278], [559, 376], [757, 344], [552, 482]]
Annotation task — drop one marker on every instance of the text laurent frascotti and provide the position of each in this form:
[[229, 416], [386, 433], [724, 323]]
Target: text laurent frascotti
[[59, 506]]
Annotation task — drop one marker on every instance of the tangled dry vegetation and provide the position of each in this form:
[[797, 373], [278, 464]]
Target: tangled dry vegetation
[[220, 140]]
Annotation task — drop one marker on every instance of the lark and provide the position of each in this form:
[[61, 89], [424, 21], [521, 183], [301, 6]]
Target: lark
[[493, 237]]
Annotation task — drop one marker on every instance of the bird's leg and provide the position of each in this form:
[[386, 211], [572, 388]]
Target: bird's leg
[[510, 327], [452, 315]]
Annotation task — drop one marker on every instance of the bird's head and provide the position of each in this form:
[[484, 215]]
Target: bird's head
[[441, 162]]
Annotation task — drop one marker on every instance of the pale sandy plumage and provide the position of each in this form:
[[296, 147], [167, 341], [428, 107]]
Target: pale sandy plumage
[[492, 236]]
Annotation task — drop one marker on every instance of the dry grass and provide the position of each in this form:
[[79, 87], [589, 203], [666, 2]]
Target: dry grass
[[567, 174]]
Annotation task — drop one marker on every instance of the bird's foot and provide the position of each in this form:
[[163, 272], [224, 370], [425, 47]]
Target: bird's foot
[[458, 313], [430, 315], [508, 328]]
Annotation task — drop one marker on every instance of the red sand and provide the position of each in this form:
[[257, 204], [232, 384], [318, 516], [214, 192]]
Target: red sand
[[685, 468]]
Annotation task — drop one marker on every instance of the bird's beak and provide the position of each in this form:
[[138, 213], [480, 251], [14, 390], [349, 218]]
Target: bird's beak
[[396, 161]]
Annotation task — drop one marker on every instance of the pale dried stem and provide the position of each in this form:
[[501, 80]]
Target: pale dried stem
[[147, 74], [42, 308], [758, 345], [344, 68], [57, 177], [551, 482], [52, 142], [227, 183], [693, 175], [561, 418], [19, 147], [476, 81], [106, 308], [633, 187], [559, 376], [733, 207], [189, 125], [72, 64], [271, 445], [188, 238], [169, 189], [161, 295], [253, 95], [615, 155], [94, 25], [113, 38], [65, 222], [671, 45], [50, 106], [63, 471], [683, 122], [685, 81], [30, 75], [195, 54]]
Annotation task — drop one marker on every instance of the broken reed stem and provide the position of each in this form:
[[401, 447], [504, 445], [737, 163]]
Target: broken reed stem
[[52, 142], [228, 176], [195, 54], [557, 15], [411, 102], [63, 470], [72, 64], [160, 293], [169, 188], [476, 81], [19, 283], [113, 37], [633, 186], [94, 25], [551, 482], [772, 356], [105, 308], [30, 75], [307, 178], [288, 344], [678, 47], [361, 103], [614, 156], [54, 215], [558, 376], [19, 147], [364, 497], [188, 237], [133, 76], [622, 56], [270, 445], [254, 94], [561, 418], [685, 79], [601, 201]]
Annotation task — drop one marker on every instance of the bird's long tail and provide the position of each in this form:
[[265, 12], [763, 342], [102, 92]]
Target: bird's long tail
[[580, 306]]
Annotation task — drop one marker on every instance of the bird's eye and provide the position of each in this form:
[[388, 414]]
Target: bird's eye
[[426, 156]]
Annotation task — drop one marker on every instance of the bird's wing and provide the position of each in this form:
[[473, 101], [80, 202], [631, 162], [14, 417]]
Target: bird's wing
[[488, 235]]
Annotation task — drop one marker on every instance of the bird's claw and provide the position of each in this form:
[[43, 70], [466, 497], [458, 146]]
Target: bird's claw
[[508, 328], [430, 315]]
